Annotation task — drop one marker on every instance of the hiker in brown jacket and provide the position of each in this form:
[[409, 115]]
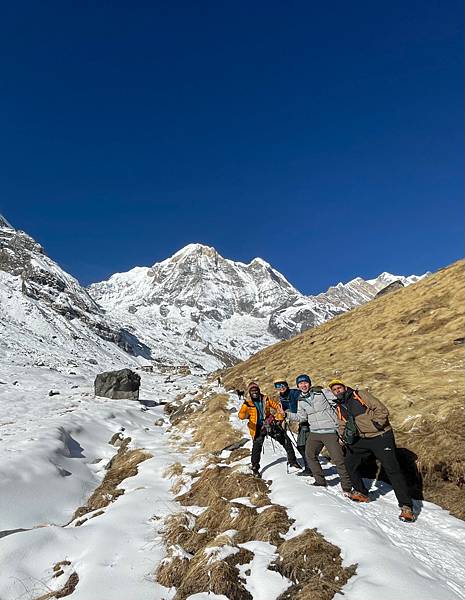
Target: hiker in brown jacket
[[364, 429]]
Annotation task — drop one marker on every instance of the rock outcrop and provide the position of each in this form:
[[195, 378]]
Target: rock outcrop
[[118, 385]]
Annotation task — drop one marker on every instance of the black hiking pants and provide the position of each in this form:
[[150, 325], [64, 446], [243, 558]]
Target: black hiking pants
[[277, 433], [384, 448], [302, 436]]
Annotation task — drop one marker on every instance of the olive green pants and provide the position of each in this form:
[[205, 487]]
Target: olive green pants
[[314, 446]]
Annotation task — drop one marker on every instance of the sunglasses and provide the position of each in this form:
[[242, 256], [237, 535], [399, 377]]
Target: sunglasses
[[280, 384]]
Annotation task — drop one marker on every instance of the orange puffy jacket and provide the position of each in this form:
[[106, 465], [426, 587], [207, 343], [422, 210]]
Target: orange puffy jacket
[[249, 411]]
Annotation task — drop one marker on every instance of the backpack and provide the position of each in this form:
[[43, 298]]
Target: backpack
[[350, 434]]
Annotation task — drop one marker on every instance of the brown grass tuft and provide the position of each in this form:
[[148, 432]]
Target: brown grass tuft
[[438, 444], [178, 484], [314, 565], [237, 455], [174, 470], [66, 590], [173, 568], [223, 515], [121, 466], [181, 529], [271, 525], [209, 571], [223, 482], [211, 426]]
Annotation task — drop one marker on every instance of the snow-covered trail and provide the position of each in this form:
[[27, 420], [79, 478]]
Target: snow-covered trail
[[419, 561], [52, 460]]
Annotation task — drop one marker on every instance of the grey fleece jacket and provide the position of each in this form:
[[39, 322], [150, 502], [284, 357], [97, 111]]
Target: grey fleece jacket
[[318, 408]]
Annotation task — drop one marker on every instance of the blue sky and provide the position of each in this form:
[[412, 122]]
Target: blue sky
[[324, 137]]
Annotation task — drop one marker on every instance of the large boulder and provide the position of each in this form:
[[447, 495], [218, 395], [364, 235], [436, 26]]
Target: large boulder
[[118, 385]]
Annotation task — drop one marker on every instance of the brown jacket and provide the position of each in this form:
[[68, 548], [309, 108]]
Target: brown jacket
[[371, 415]]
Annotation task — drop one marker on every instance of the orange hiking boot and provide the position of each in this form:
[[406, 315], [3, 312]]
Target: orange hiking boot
[[407, 515], [357, 496]]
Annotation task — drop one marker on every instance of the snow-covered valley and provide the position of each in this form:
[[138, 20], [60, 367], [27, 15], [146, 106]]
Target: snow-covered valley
[[182, 318]]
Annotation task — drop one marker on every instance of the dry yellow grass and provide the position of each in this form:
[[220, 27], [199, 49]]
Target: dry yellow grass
[[210, 425], [178, 484], [407, 348], [174, 470], [224, 482], [172, 569], [314, 565], [400, 346], [215, 575], [181, 529], [438, 444]]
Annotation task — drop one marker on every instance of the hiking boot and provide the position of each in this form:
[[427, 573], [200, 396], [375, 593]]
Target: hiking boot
[[318, 484], [295, 465], [256, 471], [305, 473], [357, 496], [407, 515]]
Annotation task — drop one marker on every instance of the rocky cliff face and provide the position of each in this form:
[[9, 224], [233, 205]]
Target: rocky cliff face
[[26, 268]]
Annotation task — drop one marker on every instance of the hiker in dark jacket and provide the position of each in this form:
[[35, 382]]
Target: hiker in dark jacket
[[265, 417], [317, 407], [365, 430], [289, 400]]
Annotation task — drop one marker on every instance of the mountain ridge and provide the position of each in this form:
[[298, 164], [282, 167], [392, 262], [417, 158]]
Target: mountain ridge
[[195, 308]]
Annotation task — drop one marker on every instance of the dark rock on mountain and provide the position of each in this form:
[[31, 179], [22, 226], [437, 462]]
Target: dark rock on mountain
[[392, 287]]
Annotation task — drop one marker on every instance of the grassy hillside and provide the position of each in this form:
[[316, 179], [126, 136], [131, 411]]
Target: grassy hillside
[[407, 348]]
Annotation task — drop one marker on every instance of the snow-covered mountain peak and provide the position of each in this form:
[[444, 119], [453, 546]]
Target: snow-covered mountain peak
[[219, 306], [259, 262], [197, 276], [193, 250], [385, 279]]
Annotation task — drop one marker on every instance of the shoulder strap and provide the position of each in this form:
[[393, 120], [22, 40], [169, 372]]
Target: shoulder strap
[[359, 398], [333, 408]]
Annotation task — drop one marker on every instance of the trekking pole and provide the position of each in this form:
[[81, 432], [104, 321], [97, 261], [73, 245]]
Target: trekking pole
[[293, 438]]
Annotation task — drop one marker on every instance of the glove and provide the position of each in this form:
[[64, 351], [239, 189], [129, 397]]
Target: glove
[[267, 423]]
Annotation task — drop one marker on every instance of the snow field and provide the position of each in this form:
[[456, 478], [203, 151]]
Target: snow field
[[51, 465], [53, 456]]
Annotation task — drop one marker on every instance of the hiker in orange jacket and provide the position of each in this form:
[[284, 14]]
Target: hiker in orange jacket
[[265, 417], [364, 429]]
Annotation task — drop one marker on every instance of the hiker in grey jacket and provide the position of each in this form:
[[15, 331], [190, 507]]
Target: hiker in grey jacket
[[318, 407]]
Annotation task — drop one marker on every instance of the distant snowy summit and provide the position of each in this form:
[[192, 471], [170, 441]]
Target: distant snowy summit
[[222, 310]]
